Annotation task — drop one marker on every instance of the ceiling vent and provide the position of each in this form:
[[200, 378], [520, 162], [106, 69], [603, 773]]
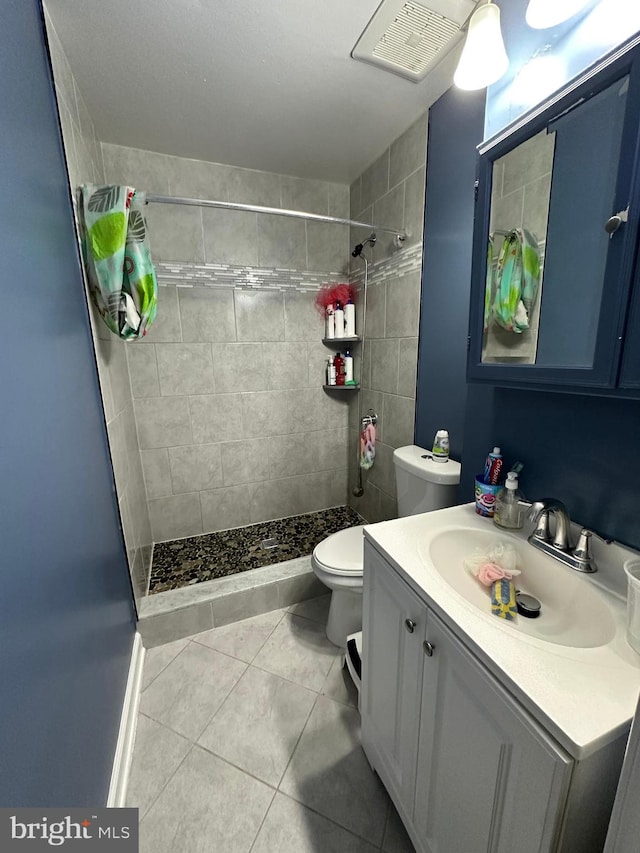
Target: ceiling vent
[[409, 38]]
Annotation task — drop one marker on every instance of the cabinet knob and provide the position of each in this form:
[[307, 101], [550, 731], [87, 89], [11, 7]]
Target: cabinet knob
[[428, 648], [410, 625], [614, 222]]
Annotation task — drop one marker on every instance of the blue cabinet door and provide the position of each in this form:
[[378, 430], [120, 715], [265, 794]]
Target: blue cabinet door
[[579, 320]]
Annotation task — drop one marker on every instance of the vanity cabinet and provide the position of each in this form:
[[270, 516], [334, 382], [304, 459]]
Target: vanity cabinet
[[467, 766], [563, 176]]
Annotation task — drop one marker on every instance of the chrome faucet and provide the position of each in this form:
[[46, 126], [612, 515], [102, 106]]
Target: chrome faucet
[[559, 547]]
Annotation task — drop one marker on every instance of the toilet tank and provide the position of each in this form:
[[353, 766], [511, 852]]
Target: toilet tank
[[424, 485]]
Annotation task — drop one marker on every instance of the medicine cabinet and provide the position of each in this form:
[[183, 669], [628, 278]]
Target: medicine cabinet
[[555, 298]]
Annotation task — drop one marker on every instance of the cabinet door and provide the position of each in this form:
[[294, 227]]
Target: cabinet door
[[394, 620], [488, 778], [560, 178]]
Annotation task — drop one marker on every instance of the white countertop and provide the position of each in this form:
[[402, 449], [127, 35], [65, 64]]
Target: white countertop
[[585, 697]]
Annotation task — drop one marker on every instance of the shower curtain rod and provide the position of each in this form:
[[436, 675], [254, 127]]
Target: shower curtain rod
[[277, 211]]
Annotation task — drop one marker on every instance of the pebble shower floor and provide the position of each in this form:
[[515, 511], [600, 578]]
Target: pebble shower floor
[[183, 562]]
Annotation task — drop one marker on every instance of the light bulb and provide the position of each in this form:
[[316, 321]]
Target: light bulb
[[484, 59], [542, 14]]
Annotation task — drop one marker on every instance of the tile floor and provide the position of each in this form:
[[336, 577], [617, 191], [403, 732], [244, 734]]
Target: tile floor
[[248, 742]]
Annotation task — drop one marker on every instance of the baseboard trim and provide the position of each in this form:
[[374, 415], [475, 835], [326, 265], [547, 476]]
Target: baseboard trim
[[127, 731]]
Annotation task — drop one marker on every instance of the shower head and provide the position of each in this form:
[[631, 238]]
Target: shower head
[[360, 246]]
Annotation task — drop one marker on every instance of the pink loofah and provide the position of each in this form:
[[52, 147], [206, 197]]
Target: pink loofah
[[329, 294], [489, 573]]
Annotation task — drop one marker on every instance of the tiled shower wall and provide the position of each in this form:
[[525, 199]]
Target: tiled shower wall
[[84, 164], [389, 192], [233, 424]]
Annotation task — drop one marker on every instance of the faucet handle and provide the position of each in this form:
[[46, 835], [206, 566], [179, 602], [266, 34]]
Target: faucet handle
[[542, 527], [582, 552]]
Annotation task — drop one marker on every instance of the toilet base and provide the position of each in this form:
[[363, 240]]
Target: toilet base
[[345, 616]]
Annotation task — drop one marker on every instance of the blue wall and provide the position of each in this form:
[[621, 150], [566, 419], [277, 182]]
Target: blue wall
[[66, 609], [581, 449], [455, 128]]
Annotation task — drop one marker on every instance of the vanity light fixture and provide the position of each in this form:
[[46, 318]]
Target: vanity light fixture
[[542, 14], [484, 59]]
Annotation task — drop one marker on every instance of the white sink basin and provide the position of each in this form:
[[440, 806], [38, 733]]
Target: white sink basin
[[574, 612]]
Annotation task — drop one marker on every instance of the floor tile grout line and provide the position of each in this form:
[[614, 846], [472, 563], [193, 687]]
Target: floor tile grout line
[[193, 637], [166, 665], [264, 817], [302, 731], [284, 678], [157, 797], [237, 767]]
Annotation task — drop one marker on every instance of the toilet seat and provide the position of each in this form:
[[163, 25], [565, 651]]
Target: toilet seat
[[342, 553]]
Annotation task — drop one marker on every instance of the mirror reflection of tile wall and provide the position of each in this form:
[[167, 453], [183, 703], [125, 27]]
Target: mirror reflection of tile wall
[[520, 199]]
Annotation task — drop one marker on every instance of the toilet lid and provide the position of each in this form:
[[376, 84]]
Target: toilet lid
[[342, 552]]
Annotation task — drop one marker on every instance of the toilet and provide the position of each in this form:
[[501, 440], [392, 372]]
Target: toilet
[[423, 485]]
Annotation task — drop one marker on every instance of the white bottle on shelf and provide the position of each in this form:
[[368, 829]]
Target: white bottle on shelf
[[338, 318], [329, 331], [350, 319], [331, 371], [348, 367]]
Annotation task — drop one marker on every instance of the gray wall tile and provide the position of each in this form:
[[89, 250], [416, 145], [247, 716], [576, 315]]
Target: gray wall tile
[[306, 453], [282, 412], [399, 413], [230, 237], [327, 247], [355, 198], [185, 369], [409, 151], [403, 306], [285, 365], [259, 315], [536, 206], [116, 360], [175, 232], [407, 367], [388, 211], [167, 627], [175, 517], [528, 161], [166, 326], [243, 605], [207, 314], [195, 468], [215, 418], [143, 371], [302, 320], [244, 461], [144, 170], [119, 455], [250, 187], [414, 207], [239, 367], [506, 212], [317, 355], [197, 179], [384, 365], [157, 475], [375, 180], [302, 194], [281, 242], [163, 422], [376, 311], [225, 508], [339, 201]]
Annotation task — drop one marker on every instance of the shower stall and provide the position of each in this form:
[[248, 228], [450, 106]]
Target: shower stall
[[228, 453]]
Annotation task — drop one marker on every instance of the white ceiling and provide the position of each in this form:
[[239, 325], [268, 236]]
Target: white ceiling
[[265, 84]]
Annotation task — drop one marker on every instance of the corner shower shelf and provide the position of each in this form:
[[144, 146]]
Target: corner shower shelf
[[355, 387], [354, 339]]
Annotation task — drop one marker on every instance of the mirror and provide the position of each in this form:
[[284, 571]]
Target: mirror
[[521, 190], [550, 200]]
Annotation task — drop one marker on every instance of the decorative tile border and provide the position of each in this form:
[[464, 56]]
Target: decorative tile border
[[401, 263], [239, 277], [186, 274]]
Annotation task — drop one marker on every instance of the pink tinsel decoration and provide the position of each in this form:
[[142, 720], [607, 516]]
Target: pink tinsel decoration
[[329, 294]]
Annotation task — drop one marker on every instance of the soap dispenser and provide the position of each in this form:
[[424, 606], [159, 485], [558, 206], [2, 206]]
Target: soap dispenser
[[508, 509]]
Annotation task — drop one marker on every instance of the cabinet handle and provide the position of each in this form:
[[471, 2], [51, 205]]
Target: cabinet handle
[[410, 625], [614, 222], [428, 648]]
